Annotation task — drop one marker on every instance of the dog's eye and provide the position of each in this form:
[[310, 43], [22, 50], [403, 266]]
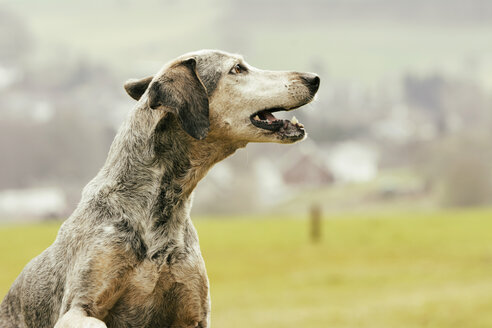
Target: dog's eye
[[237, 69]]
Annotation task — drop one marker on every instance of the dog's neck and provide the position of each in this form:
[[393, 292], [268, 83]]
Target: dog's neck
[[154, 168], [183, 160]]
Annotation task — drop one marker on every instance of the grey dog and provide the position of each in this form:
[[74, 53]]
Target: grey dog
[[129, 254]]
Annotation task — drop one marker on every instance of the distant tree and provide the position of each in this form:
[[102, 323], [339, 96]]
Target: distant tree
[[467, 174], [452, 105], [425, 93], [457, 169]]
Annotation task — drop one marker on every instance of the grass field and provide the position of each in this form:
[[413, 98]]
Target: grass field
[[401, 270]]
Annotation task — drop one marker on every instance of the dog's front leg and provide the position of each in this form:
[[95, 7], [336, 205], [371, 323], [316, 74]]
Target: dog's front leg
[[77, 318]]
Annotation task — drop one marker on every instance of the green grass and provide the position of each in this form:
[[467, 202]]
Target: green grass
[[370, 270]]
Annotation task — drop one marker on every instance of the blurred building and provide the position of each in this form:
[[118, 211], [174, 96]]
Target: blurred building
[[32, 204]]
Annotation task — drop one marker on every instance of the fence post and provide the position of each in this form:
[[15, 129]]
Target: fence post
[[315, 222]]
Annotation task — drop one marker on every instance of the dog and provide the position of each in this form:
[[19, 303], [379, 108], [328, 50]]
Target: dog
[[129, 255]]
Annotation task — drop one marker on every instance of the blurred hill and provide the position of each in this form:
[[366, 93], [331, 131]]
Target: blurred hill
[[404, 114]]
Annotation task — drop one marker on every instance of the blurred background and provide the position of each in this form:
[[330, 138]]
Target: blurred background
[[398, 159]]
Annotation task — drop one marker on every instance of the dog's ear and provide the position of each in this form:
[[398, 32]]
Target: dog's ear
[[136, 88], [181, 89]]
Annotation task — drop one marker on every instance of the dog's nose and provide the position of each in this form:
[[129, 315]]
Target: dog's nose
[[311, 81]]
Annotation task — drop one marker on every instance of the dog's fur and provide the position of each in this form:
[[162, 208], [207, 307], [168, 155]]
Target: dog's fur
[[129, 255]]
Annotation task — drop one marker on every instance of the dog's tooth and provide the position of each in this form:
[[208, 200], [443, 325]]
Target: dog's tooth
[[300, 125], [294, 120], [257, 118]]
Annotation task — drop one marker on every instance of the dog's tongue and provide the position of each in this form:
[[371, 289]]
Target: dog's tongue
[[269, 116]]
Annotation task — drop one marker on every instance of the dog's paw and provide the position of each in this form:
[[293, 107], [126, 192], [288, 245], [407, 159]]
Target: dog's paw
[[92, 323], [76, 319]]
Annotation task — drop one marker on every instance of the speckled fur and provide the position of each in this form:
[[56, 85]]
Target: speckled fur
[[129, 255]]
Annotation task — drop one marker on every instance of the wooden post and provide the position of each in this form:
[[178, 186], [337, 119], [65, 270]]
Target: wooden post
[[315, 221]]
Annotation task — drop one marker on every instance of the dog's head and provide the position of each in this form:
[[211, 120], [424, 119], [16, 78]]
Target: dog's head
[[218, 94]]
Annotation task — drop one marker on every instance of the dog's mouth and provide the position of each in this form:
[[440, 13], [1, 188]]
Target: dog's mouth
[[264, 119]]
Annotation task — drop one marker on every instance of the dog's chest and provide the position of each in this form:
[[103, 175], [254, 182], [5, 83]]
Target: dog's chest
[[168, 290]]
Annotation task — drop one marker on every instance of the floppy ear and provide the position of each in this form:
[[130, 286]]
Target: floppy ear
[[136, 88], [181, 89]]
